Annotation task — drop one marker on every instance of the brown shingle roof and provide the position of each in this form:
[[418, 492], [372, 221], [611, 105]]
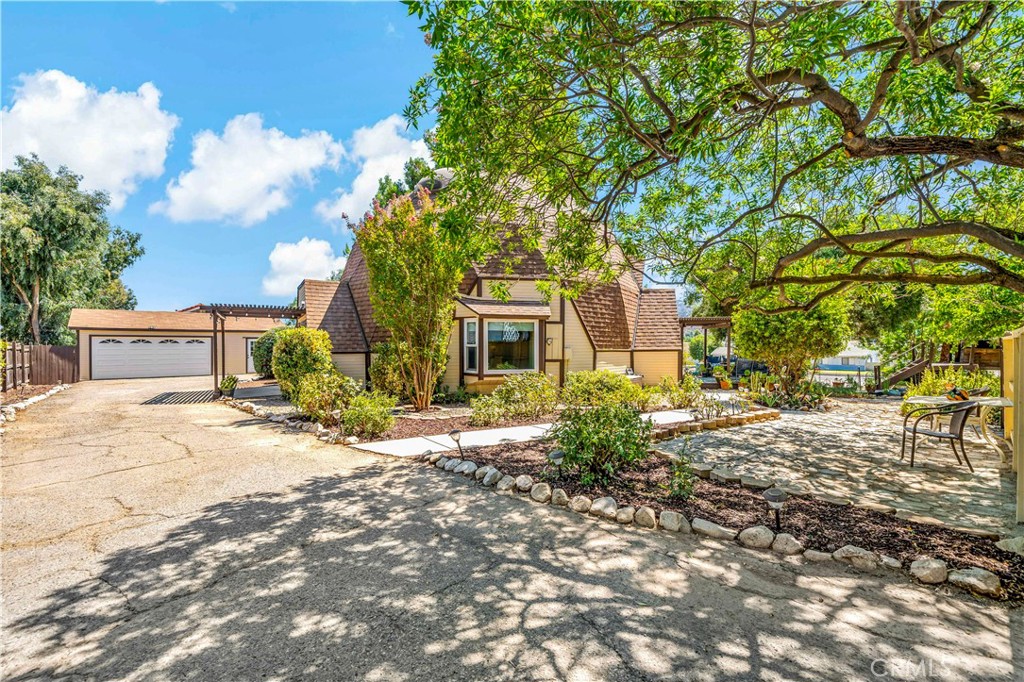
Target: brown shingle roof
[[657, 321], [145, 320], [358, 279], [330, 306], [488, 307]]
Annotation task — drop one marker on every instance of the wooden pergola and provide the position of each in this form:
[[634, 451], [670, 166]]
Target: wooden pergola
[[221, 311], [706, 323]]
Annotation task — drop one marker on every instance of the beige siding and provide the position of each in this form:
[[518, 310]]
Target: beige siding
[[518, 291], [451, 371], [234, 353], [613, 360], [653, 365], [579, 353], [351, 364]]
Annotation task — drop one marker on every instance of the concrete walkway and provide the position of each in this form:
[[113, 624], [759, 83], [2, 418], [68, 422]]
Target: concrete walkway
[[193, 542], [412, 447]]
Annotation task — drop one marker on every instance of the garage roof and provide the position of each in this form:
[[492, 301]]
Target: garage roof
[[146, 320]]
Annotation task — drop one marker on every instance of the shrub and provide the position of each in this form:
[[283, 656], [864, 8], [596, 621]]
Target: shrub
[[385, 374], [593, 388], [679, 394], [641, 398], [369, 414], [321, 393], [681, 478], [447, 396], [228, 383], [299, 351], [937, 382], [521, 396], [263, 352], [599, 442]]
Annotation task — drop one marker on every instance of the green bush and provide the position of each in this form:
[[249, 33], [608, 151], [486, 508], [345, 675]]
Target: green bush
[[679, 394], [321, 393], [263, 352], [299, 351], [385, 375], [937, 382], [596, 387], [228, 383], [681, 481], [369, 414], [521, 396], [447, 396], [599, 442]]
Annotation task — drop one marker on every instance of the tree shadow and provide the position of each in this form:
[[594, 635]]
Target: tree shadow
[[393, 572]]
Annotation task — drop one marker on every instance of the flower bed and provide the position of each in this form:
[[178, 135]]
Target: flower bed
[[817, 524]]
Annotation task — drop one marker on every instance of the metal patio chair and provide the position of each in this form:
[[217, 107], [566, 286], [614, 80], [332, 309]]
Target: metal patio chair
[[952, 432]]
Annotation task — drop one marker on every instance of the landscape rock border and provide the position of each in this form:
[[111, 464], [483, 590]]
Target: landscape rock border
[[325, 434], [925, 570], [9, 413], [670, 431]]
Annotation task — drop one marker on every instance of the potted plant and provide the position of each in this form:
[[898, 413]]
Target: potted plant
[[720, 374], [227, 385]]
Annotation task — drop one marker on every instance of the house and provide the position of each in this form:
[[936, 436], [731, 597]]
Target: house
[[125, 344], [619, 326], [854, 356]]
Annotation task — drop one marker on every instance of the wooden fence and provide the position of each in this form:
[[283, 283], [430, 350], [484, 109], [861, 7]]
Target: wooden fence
[[40, 365]]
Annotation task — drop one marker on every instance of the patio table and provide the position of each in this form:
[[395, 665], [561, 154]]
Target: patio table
[[985, 406]]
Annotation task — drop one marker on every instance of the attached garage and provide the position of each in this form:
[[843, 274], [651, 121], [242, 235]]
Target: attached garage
[[128, 344]]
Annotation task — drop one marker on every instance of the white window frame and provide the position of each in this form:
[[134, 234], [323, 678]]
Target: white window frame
[[536, 345], [466, 345]]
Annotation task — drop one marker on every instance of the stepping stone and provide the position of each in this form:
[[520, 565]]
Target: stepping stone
[[755, 483], [702, 469], [918, 518], [831, 499], [876, 507], [724, 475]]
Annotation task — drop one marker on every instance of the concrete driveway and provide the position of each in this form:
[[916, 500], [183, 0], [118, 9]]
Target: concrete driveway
[[190, 541]]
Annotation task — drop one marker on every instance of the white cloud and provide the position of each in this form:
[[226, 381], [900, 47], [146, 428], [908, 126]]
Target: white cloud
[[378, 150], [247, 173], [290, 263], [112, 139], [229, 6]]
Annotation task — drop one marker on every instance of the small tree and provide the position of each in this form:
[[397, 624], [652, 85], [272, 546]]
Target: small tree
[[788, 342], [416, 260]]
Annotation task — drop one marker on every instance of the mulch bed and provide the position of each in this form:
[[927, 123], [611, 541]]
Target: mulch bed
[[16, 395], [410, 428], [818, 525]]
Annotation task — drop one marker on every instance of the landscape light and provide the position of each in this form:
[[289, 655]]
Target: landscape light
[[776, 497], [456, 435]]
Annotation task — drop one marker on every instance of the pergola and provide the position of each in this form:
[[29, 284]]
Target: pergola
[[221, 311], [707, 323]]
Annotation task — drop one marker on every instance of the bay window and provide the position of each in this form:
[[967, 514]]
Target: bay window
[[511, 346]]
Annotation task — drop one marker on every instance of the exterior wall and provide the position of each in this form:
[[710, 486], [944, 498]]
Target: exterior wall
[[655, 364], [579, 354], [612, 359], [351, 364], [234, 345], [451, 370], [525, 290]]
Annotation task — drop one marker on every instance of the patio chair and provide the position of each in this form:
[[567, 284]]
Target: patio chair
[[953, 432]]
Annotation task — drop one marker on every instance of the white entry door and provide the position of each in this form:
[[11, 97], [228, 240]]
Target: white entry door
[[250, 366], [129, 357]]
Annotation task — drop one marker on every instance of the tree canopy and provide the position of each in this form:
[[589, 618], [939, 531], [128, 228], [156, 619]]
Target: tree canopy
[[772, 153], [388, 188], [58, 252]]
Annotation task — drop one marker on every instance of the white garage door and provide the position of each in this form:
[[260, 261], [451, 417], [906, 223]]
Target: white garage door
[[128, 357]]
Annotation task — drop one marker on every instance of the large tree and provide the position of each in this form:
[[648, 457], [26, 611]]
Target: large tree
[[790, 150], [57, 251]]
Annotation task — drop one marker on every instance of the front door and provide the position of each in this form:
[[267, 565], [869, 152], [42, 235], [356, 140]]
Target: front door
[[250, 367]]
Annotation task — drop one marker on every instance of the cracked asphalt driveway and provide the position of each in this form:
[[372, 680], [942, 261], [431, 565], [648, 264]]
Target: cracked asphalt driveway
[[190, 541]]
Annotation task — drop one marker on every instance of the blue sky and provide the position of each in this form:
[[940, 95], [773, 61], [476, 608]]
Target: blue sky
[[226, 133]]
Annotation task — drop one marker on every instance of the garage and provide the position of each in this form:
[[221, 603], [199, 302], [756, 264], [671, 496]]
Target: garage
[[132, 357], [139, 344]]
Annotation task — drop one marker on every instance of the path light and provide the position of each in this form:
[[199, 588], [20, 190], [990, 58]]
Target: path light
[[776, 497], [555, 457], [456, 435]]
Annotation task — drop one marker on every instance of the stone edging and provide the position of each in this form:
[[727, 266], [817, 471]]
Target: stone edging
[[661, 433], [925, 570], [8, 413], [316, 428]]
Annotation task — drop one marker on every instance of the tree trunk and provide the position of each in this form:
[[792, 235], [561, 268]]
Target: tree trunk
[[34, 313]]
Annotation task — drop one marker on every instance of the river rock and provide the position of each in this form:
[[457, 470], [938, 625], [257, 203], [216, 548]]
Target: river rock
[[977, 580], [604, 507], [858, 557], [559, 497], [645, 518], [674, 521], [580, 504], [625, 514], [524, 483], [540, 492], [492, 477], [787, 544], [758, 537], [929, 571], [712, 530]]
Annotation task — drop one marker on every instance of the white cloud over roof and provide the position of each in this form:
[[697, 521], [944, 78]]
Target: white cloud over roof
[[290, 263], [247, 173]]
